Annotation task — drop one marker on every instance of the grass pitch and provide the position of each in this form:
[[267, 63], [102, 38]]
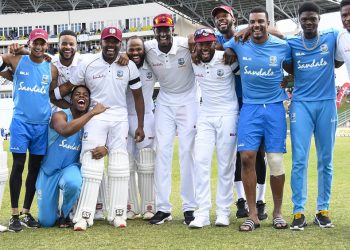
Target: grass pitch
[[174, 235]]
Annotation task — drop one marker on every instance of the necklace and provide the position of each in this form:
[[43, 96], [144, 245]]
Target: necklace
[[314, 46]]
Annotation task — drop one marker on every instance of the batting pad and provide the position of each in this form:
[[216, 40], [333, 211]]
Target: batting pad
[[3, 173], [91, 172], [133, 203], [118, 178], [103, 192], [145, 163]]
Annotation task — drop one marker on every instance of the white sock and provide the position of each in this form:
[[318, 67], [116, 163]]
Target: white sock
[[260, 192], [239, 189]]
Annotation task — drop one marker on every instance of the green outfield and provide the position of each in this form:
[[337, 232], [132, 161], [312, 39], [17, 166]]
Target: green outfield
[[174, 235]]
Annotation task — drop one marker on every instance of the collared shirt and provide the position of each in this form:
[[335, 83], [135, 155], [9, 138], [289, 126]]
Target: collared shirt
[[261, 69], [314, 69], [108, 84], [217, 84], [343, 49], [174, 72], [147, 79]]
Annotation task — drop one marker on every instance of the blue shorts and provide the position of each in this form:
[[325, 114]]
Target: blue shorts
[[259, 122], [28, 136]]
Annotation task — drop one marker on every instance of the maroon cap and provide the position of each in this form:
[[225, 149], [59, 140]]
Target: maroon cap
[[225, 8], [112, 32], [204, 35], [38, 33], [163, 20]]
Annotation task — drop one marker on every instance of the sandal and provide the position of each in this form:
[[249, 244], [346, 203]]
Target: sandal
[[248, 226], [279, 223]]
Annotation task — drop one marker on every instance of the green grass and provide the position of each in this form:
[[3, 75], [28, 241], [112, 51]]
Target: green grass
[[174, 235]]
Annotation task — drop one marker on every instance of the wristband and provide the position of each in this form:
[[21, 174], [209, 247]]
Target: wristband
[[57, 93]]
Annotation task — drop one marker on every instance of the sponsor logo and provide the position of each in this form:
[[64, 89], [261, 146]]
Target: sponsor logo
[[240, 145], [245, 58], [24, 73], [324, 48], [313, 64], [45, 79], [233, 134], [273, 60], [149, 75], [119, 212], [85, 215], [97, 76], [260, 72], [157, 64], [14, 148], [299, 54], [35, 89], [220, 72], [70, 147], [181, 61], [292, 117], [120, 73], [199, 75], [334, 120]]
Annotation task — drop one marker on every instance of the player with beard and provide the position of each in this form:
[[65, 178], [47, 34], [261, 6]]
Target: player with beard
[[216, 127], [29, 126], [141, 155], [108, 83], [343, 51], [63, 173], [262, 115], [176, 111]]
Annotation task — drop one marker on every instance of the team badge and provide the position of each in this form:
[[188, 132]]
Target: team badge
[[149, 75], [119, 212], [85, 136], [112, 31], [220, 72], [273, 60], [45, 79], [120, 73], [86, 215], [324, 48], [292, 117], [181, 61]]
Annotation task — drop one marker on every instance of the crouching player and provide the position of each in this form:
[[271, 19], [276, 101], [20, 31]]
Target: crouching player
[[216, 127], [60, 167]]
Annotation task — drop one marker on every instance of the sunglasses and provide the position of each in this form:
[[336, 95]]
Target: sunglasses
[[163, 20], [203, 32]]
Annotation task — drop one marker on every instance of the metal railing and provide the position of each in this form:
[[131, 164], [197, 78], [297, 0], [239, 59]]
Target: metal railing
[[343, 117]]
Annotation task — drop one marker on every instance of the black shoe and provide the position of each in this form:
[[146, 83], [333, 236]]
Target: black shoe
[[188, 217], [242, 209], [261, 207], [322, 219], [64, 222], [160, 217], [15, 224], [28, 220], [299, 222]]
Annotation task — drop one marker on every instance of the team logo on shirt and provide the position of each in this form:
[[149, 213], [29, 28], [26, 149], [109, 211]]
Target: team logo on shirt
[[324, 48], [181, 61], [85, 136], [220, 72], [292, 117], [45, 79], [273, 60], [38, 194], [120, 73], [149, 75]]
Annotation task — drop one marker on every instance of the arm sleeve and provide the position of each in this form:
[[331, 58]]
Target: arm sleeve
[[134, 79]]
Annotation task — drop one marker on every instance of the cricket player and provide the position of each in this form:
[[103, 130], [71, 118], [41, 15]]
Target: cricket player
[[216, 127], [108, 83], [29, 126], [262, 114], [142, 154], [176, 112], [63, 172], [343, 51], [312, 112]]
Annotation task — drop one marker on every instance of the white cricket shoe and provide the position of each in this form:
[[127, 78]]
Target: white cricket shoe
[[199, 222], [147, 215], [131, 215], [81, 225], [99, 215], [3, 228], [119, 222], [222, 221]]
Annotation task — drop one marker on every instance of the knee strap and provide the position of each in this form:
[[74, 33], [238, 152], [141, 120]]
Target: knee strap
[[275, 162]]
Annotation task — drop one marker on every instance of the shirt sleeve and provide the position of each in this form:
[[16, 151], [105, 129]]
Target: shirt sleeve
[[134, 78], [79, 76], [288, 51], [338, 50], [230, 44]]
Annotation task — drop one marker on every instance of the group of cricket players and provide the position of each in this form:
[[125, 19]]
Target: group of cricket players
[[220, 90]]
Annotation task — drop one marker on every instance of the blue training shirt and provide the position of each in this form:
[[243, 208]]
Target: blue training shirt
[[314, 69], [62, 151], [261, 69], [31, 82]]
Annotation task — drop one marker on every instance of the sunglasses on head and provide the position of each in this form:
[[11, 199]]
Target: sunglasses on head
[[203, 32], [163, 20]]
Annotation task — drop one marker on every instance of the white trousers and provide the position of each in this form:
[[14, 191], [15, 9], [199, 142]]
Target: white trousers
[[219, 131], [168, 121], [148, 142]]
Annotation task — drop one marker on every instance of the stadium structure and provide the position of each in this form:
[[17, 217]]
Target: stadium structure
[[133, 17]]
